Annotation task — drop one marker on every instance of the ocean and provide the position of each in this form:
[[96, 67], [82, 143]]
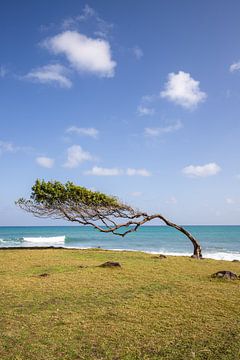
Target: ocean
[[218, 242]]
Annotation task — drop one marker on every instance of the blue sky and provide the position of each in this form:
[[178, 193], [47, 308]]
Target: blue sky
[[135, 99]]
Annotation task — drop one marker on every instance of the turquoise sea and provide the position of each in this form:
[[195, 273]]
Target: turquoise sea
[[218, 242]]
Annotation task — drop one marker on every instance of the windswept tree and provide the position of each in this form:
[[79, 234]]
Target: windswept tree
[[80, 205]]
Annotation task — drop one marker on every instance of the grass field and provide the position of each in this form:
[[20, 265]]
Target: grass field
[[149, 309]]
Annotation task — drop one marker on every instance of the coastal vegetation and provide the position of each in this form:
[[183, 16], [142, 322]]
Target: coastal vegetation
[[60, 304], [79, 205]]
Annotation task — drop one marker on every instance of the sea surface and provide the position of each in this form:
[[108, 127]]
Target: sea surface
[[218, 242]]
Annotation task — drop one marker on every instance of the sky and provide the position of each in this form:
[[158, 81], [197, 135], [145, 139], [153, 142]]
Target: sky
[[138, 99]]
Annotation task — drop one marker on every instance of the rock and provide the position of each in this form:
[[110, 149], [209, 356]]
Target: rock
[[235, 260], [43, 274], [160, 257], [110, 264], [225, 275]]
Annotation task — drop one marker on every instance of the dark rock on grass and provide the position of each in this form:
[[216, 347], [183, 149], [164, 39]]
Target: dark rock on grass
[[110, 264], [225, 275], [160, 257], [44, 275]]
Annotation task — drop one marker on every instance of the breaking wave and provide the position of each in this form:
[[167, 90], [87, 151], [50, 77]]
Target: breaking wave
[[44, 240]]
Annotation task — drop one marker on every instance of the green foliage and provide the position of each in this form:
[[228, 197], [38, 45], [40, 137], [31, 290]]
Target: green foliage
[[52, 192]]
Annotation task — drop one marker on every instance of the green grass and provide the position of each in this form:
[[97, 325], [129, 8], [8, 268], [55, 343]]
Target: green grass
[[168, 309]]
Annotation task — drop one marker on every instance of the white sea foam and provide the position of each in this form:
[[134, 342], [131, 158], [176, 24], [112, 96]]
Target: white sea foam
[[223, 256], [228, 256], [48, 240]]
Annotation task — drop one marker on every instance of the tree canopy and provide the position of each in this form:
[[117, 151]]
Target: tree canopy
[[86, 207], [53, 193]]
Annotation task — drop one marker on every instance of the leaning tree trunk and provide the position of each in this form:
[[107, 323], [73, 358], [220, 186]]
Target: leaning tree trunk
[[197, 251]]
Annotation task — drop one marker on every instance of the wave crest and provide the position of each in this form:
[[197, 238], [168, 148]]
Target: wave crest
[[49, 240]]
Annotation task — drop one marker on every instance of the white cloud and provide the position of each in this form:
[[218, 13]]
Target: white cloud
[[88, 13], [202, 170], [45, 162], [3, 71], [151, 132], [183, 90], [230, 201], [76, 155], [139, 172], [99, 171], [92, 132], [150, 98], [144, 110], [136, 194], [235, 67], [8, 147], [171, 201], [138, 53], [48, 74], [85, 54], [163, 130]]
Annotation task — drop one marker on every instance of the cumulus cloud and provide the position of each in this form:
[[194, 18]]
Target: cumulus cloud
[[235, 67], [45, 162], [153, 132], [84, 54], [50, 74], [92, 132], [202, 170], [183, 90], [76, 155], [138, 53], [144, 110], [139, 172], [100, 171]]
